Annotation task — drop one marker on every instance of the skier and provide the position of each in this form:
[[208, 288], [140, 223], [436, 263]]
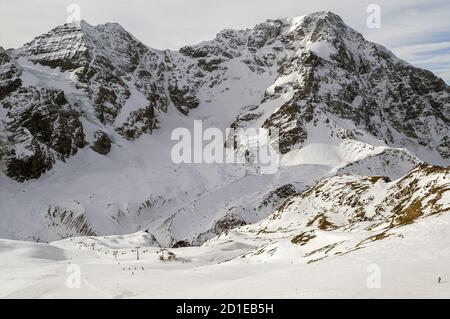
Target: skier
[[439, 280]]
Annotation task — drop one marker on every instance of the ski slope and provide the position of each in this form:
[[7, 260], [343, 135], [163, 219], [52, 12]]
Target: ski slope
[[409, 267]]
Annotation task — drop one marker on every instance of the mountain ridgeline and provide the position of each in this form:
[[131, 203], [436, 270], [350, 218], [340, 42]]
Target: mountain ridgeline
[[318, 68], [87, 113]]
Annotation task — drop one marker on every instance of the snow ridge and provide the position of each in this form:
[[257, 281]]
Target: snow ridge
[[341, 103]]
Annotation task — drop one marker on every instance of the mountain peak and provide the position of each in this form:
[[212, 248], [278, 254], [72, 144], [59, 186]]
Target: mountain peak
[[85, 25], [321, 65], [107, 27], [314, 17], [323, 15]]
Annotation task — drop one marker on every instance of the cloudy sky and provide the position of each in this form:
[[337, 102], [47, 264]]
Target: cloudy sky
[[416, 30]]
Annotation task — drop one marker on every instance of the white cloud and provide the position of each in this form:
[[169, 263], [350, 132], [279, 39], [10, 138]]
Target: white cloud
[[445, 75], [417, 49], [434, 56]]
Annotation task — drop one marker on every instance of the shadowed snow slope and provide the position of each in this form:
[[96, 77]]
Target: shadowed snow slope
[[294, 253], [86, 115], [345, 213]]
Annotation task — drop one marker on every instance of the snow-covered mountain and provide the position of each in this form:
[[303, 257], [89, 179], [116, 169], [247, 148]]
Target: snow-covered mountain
[[348, 236], [341, 214], [87, 112]]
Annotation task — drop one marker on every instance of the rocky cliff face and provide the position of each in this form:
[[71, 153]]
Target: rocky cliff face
[[341, 105], [328, 69], [40, 125], [320, 68], [9, 74]]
